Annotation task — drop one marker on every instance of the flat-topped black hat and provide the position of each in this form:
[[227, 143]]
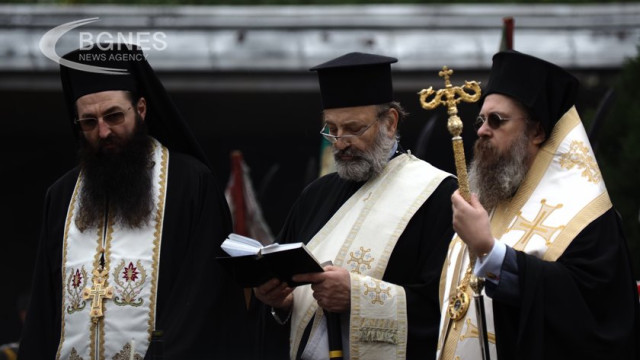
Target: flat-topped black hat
[[355, 79], [547, 89], [120, 66]]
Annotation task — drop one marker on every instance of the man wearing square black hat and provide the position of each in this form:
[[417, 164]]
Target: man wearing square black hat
[[548, 240], [383, 220], [125, 267]]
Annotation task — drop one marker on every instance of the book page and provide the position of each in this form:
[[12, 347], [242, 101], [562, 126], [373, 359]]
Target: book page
[[238, 245], [275, 247]]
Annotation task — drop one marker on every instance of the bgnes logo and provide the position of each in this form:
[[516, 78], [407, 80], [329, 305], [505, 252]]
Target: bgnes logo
[[104, 41]]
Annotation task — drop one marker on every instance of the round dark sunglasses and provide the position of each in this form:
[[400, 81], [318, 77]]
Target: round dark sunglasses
[[494, 119]]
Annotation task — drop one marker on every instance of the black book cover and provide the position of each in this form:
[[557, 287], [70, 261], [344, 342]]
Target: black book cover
[[282, 262]]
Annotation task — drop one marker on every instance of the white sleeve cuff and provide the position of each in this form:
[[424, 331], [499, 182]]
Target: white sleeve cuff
[[489, 266]]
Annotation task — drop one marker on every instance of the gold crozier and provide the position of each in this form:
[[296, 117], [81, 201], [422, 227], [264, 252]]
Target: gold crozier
[[450, 97]]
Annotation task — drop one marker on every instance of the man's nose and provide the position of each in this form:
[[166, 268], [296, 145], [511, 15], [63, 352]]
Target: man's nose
[[341, 144], [103, 129], [484, 129]]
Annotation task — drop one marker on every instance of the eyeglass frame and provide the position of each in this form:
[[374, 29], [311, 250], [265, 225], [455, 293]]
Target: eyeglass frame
[[481, 119], [333, 139], [79, 122]]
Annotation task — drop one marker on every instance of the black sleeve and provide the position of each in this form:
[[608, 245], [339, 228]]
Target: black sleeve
[[582, 306], [200, 310], [41, 331]]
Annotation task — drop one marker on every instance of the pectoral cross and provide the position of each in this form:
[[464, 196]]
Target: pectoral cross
[[536, 227], [98, 292]]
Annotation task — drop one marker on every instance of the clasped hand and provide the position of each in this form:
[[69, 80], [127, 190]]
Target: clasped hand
[[331, 289]]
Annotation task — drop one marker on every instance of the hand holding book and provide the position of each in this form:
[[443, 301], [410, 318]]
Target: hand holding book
[[251, 264]]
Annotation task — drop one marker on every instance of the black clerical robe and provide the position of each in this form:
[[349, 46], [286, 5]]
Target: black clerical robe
[[415, 263], [199, 310], [573, 308]]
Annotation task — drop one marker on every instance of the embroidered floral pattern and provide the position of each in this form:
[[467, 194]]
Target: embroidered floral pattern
[[377, 291], [129, 282], [75, 283], [125, 354], [578, 156], [130, 273], [360, 260]]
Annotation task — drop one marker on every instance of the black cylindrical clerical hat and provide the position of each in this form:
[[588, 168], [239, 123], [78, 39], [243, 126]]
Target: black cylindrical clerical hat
[[96, 69], [120, 66], [546, 89], [355, 79]]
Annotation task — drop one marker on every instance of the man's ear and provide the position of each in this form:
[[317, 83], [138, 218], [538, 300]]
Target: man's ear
[[539, 135], [141, 107], [392, 124]]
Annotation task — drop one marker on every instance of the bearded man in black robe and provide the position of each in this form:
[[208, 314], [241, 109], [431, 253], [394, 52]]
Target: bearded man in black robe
[[383, 221], [540, 221], [125, 266]]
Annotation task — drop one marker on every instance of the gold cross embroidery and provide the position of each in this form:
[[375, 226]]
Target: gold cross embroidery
[[536, 227], [378, 294], [472, 332], [360, 259], [98, 292]]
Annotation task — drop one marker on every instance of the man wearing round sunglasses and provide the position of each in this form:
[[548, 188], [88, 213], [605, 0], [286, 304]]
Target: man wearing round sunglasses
[[383, 219], [125, 264], [547, 239]]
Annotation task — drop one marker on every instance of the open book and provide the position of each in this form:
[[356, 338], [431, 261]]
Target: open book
[[252, 264]]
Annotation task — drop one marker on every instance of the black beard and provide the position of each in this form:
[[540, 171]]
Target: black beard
[[496, 176], [119, 178]]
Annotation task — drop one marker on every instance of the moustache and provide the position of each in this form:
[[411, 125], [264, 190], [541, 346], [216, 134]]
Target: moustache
[[108, 144], [348, 152]]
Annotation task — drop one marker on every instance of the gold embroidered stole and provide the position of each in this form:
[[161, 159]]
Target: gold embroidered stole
[[360, 237], [562, 193], [132, 258]]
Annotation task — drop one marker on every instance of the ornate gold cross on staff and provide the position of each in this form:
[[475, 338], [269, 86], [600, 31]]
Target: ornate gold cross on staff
[[454, 124], [451, 96], [98, 291]]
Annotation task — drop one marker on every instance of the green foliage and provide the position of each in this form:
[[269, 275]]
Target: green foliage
[[619, 154]]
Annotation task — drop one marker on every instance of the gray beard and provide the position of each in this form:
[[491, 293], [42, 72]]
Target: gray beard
[[368, 163], [496, 177]]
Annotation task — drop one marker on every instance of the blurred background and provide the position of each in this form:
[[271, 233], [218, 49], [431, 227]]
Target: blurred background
[[238, 70]]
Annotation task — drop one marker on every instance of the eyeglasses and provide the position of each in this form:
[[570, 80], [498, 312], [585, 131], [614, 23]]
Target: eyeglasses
[[494, 119], [111, 119], [348, 137]]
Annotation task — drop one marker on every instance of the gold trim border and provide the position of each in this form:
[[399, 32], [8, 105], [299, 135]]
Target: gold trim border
[[70, 211], [584, 217], [158, 237]]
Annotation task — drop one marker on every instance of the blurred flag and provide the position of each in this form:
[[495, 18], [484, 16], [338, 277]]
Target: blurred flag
[[245, 210], [327, 164], [507, 34]]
